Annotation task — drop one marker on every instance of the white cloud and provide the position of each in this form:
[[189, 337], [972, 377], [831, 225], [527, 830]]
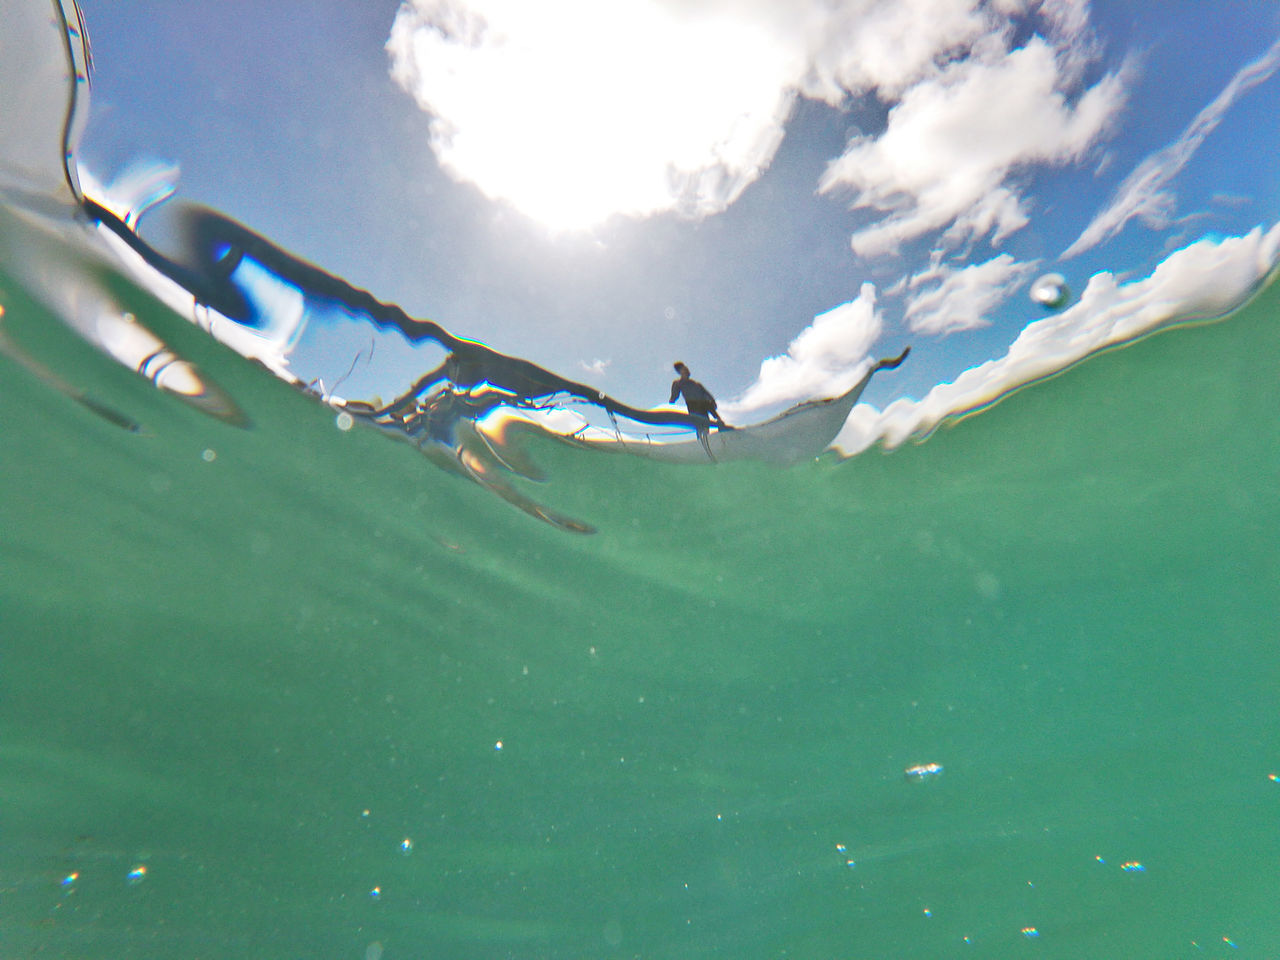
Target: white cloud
[[953, 141], [1205, 279], [962, 299], [824, 360], [886, 47], [1143, 193], [573, 110]]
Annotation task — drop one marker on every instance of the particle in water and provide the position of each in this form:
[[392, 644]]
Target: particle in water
[[344, 421], [1030, 932], [927, 912], [1230, 943], [1099, 859], [1051, 291], [1132, 866], [375, 893], [136, 875], [364, 814], [923, 771], [69, 879], [498, 745], [208, 456], [406, 846], [840, 848], [1274, 777]]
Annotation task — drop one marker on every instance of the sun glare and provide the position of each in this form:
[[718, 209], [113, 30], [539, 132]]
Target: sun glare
[[587, 110]]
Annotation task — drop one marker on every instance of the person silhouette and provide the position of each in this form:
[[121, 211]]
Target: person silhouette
[[697, 398], [700, 403]]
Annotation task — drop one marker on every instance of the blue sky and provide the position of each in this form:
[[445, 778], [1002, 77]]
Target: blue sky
[[902, 169]]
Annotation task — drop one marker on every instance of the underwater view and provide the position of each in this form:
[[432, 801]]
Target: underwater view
[[363, 595]]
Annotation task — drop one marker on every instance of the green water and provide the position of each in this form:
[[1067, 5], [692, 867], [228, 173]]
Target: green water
[[222, 646]]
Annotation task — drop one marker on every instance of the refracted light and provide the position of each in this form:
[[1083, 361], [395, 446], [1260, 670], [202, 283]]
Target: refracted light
[[136, 875], [1132, 866], [923, 771], [1030, 932], [406, 846], [69, 879]]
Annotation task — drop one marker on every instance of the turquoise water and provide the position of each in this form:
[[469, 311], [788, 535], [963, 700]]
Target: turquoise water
[[242, 665]]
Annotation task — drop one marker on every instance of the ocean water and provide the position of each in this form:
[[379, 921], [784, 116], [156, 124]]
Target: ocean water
[[288, 690]]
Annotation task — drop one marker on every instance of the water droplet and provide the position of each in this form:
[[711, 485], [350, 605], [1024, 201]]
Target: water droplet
[[209, 456], [136, 875], [406, 846], [344, 421], [1051, 291]]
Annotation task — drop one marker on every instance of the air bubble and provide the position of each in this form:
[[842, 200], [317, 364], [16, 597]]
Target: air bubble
[[1051, 291]]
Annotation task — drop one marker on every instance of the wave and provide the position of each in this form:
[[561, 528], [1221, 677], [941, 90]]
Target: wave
[[67, 239]]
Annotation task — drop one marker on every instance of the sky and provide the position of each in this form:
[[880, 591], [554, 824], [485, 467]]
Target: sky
[[768, 190]]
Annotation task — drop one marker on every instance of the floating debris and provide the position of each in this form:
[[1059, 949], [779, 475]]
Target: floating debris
[[923, 771]]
